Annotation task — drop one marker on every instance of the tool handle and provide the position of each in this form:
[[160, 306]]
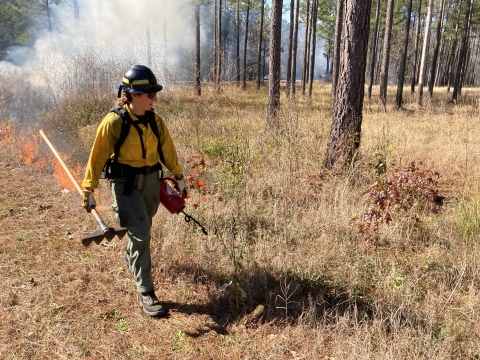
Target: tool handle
[[95, 214]]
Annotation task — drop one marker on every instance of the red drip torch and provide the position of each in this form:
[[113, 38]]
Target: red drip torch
[[173, 201]]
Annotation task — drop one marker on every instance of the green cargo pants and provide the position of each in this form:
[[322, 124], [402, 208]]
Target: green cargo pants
[[135, 212]]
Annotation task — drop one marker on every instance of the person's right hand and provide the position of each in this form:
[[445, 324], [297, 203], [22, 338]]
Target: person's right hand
[[88, 201]]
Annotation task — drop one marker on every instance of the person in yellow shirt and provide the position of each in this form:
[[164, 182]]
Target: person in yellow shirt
[[132, 166]]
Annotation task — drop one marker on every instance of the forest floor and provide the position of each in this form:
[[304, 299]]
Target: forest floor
[[280, 228]]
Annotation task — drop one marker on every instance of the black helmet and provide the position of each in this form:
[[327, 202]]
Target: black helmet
[[139, 79]]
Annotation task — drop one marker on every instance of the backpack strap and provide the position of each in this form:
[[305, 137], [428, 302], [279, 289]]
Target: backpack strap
[[120, 111], [152, 121]]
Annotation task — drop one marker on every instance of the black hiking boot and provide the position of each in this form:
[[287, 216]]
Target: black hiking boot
[[150, 304]]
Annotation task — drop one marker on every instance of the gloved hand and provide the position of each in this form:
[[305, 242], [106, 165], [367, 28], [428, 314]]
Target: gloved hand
[[88, 201], [181, 187]]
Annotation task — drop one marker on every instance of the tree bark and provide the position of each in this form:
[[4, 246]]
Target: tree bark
[[305, 47], [293, 77], [347, 107], [387, 39], [197, 84], [463, 52], [417, 41], [313, 47], [245, 40], [401, 72], [452, 59], [338, 43], [373, 51], [260, 37], [290, 41], [215, 42], [423, 60], [438, 35], [219, 48], [237, 42], [274, 67]]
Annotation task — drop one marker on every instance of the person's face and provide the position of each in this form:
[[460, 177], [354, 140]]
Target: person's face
[[144, 101]]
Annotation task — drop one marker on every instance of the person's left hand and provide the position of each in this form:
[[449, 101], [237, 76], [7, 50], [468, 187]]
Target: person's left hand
[[181, 186]]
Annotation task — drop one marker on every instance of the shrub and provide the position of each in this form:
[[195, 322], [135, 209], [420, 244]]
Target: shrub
[[406, 193]]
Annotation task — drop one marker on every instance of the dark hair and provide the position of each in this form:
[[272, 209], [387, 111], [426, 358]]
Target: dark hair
[[125, 98]]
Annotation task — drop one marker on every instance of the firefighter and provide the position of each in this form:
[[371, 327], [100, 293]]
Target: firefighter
[[132, 168]]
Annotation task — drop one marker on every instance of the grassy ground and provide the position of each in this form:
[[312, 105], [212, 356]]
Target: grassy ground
[[279, 228]]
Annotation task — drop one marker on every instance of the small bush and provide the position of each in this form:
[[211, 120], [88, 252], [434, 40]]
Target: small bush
[[404, 194]]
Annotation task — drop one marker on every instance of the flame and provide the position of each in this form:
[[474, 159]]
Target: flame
[[28, 149], [62, 177], [28, 152]]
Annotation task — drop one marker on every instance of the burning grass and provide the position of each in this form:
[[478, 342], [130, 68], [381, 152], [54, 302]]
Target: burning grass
[[279, 235]]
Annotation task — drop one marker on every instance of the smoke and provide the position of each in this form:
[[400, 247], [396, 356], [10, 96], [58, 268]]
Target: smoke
[[149, 32]]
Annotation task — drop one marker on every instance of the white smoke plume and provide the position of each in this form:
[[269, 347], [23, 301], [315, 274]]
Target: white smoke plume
[[150, 32]]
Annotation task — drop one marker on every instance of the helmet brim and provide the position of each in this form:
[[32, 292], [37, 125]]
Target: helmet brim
[[154, 89]]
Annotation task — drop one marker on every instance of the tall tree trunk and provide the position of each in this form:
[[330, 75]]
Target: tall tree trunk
[[386, 53], [264, 56], [245, 39], [48, 16], [347, 107], [417, 41], [379, 56], [305, 47], [462, 56], [259, 54], [219, 48], [401, 72], [307, 57], [197, 84], [474, 62], [290, 43], [463, 52], [215, 42], [237, 42], [313, 47], [452, 58], [438, 36], [337, 44], [373, 51], [274, 67], [293, 78], [327, 70], [423, 60]]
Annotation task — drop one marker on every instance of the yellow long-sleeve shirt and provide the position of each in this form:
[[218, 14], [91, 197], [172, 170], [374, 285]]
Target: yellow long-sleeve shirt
[[130, 152]]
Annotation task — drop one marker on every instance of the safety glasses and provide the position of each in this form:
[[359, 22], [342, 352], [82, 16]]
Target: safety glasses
[[151, 95]]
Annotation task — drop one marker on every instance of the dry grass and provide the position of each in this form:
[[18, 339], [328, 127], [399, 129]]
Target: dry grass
[[279, 227]]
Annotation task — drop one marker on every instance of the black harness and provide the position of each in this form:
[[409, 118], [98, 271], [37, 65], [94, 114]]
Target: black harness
[[113, 168]]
